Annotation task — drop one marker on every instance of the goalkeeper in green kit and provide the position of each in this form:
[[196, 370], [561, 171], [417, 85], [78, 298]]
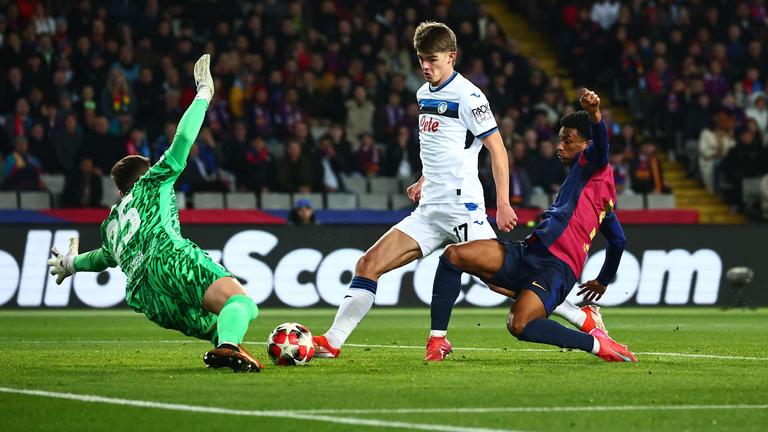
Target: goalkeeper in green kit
[[170, 279]]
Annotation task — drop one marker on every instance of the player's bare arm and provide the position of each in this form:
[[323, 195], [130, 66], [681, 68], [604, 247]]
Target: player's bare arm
[[506, 218]]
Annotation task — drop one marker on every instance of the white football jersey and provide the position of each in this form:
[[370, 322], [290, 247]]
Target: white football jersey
[[452, 118]]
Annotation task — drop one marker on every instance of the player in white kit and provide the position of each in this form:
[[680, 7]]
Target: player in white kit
[[455, 121]]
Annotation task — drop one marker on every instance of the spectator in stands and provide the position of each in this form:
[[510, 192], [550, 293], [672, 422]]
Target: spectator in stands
[[67, 143], [12, 90], [546, 171], [21, 170], [39, 145], [200, 174], [329, 167], [294, 170], [126, 64], [289, 113], [257, 166], [163, 142], [368, 159], [389, 117], [626, 142], [747, 159], [302, 214], [647, 175], [360, 113], [605, 13], [713, 145], [758, 112], [302, 135], [105, 149], [83, 187], [621, 173], [137, 144], [262, 117], [403, 159], [341, 144], [18, 123], [519, 185], [148, 99], [212, 155]]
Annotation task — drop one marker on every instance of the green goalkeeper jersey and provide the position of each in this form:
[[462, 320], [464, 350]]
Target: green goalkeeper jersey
[[143, 226]]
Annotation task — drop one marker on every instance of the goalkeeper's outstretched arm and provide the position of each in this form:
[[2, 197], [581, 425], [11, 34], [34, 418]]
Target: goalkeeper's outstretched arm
[[64, 265], [192, 120]]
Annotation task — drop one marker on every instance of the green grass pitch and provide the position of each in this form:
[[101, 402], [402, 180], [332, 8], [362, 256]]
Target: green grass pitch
[[700, 369]]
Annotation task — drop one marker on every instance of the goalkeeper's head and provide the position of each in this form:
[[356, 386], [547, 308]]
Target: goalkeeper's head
[[127, 170]]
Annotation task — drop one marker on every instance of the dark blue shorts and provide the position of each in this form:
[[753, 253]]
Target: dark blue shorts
[[532, 267]]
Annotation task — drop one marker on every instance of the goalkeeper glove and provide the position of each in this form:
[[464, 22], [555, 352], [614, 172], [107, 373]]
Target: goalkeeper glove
[[203, 78], [64, 265]]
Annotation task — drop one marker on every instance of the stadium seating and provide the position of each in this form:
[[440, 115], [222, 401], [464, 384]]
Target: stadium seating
[[764, 187], [341, 201], [181, 200], [660, 201], [111, 194], [384, 185], [54, 182], [315, 198], [631, 202], [750, 190], [356, 184], [400, 201], [275, 201], [241, 200], [208, 200], [8, 200], [374, 201], [540, 200], [34, 200]]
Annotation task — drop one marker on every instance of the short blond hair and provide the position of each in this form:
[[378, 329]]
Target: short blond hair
[[432, 37]]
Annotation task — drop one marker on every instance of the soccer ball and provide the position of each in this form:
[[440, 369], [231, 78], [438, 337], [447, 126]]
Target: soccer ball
[[290, 344]]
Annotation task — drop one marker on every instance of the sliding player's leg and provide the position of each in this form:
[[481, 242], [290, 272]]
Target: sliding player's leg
[[184, 290], [547, 282], [226, 298], [481, 258], [585, 318], [394, 249]]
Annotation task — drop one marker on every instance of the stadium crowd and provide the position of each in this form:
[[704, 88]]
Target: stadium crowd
[[309, 92], [692, 72]]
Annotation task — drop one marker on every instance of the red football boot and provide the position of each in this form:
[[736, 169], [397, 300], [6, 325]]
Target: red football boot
[[323, 349], [438, 348], [594, 319], [610, 350]]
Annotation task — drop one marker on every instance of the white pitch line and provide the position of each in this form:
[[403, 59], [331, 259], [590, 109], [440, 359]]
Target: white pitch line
[[249, 413], [409, 347], [480, 410]]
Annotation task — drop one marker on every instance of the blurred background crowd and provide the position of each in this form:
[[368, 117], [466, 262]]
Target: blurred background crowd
[[692, 72], [309, 93]]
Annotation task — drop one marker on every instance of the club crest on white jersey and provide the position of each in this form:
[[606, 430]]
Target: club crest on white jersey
[[452, 119]]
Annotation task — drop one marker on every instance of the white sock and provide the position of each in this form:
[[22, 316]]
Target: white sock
[[352, 310], [596, 346], [438, 333], [571, 313]]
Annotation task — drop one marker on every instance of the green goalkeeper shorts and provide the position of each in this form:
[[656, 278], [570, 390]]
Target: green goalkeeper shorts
[[171, 291]]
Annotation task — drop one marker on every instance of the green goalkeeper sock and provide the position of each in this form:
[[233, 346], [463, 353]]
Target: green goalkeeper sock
[[234, 318]]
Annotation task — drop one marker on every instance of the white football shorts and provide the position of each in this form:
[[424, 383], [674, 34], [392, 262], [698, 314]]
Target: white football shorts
[[435, 225]]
